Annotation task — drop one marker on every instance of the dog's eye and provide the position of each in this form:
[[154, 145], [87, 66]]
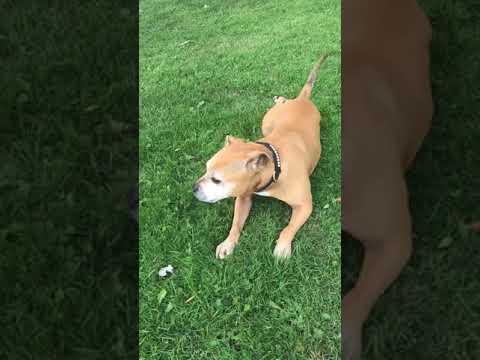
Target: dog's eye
[[216, 181]]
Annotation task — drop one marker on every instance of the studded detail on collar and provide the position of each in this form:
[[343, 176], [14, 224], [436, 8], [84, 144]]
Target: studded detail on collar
[[276, 164]]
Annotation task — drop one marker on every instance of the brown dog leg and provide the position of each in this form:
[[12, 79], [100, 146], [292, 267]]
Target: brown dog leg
[[388, 247], [381, 266], [300, 214], [243, 204]]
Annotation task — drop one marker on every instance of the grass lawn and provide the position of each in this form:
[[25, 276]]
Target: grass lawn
[[68, 112], [208, 69], [432, 310]]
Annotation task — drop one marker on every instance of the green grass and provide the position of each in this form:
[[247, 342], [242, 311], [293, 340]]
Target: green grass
[[208, 69], [431, 312], [69, 101]]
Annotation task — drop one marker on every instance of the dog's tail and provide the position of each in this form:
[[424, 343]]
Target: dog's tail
[[307, 88]]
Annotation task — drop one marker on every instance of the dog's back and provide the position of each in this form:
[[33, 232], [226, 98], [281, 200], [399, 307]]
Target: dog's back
[[385, 57], [296, 122]]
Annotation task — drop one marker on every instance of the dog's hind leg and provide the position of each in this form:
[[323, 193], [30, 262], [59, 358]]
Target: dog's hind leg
[[268, 121], [382, 223]]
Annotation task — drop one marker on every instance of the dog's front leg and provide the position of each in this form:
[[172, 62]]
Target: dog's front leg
[[300, 214], [243, 204]]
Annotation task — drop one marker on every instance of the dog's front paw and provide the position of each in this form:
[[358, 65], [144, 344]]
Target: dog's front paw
[[282, 250], [224, 249], [279, 99]]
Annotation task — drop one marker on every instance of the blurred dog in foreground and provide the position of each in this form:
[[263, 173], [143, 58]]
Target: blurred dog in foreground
[[386, 113]]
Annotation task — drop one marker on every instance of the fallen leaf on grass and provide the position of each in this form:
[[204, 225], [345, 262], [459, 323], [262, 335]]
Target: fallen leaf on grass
[[273, 305], [161, 296], [445, 242], [189, 299], [91, 108], [326, 316], [169, 307], [185, 42]]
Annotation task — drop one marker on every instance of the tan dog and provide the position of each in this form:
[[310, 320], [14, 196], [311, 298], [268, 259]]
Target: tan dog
[[278, 166], [386, 113]]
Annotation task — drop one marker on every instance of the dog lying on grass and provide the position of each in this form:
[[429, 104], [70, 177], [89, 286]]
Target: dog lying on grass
[[278, 165]]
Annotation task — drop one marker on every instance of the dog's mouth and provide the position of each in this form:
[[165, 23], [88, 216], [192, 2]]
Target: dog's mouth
[[209, 192], [202, 198], [200, 195]]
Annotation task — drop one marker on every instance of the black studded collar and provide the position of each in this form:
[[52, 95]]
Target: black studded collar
[[276, 164]]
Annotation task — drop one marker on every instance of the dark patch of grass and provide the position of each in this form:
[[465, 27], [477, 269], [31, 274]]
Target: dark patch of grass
[[207, 70], [69, 100]]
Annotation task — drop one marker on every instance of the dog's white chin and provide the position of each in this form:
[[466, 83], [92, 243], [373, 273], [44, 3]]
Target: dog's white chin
[[210, 193], [208, 200], [212, 201]]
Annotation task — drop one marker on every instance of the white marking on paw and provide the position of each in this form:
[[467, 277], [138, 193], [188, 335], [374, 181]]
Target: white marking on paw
[[224, 249], [262, 193], [279, 99], [282, 250]]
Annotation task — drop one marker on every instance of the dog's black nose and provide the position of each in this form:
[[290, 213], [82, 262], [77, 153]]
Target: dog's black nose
[[195, 187]]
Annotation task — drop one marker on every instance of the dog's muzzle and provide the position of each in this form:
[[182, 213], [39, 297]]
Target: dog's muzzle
[[195, 188], [198, 193]]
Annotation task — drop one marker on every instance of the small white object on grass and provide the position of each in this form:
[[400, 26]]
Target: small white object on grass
[[165, 270]]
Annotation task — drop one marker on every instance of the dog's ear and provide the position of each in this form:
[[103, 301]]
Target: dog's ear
[[257, 161], [229, 139]]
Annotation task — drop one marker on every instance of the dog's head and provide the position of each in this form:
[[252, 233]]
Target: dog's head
[[233, 171]]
